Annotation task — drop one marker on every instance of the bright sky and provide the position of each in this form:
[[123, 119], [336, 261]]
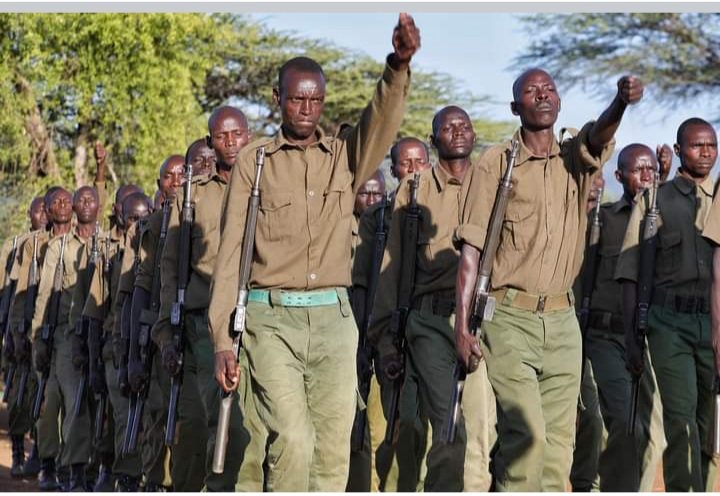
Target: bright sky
[[477, 49]]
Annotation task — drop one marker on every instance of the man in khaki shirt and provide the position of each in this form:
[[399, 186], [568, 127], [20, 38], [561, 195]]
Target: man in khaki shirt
[[100, 308], [429, 332], [134, 292], [678, 333], [58, 208], [402, 472], [301, 337], [228, 134], [532, 345], [76, 430]]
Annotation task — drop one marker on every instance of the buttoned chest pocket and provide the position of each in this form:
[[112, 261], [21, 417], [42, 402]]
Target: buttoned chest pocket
[[338, 197], [426, 249], [669, 251], [279, 218], [519, 225]]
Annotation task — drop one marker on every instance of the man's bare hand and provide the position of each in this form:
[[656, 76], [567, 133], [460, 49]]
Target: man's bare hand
[[468, 350], [405, 40], [664, 157], [227, 370], [100, 157], [630, 89]]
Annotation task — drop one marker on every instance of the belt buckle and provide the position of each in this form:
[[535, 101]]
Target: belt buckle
[[540, 304]]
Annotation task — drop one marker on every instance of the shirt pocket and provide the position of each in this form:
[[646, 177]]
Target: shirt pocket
[[426, 250], [608, 259], [669, 251], [338, 197], [278, 218], [519, 226]]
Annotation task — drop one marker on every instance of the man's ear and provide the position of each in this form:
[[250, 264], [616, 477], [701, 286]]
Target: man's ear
[[208, 141], [431, 139], [513, 108], [276, 96], [676, 147], [618, 175]]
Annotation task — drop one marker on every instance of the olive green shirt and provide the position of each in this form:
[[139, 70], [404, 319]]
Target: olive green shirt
[[712, 223], [683, 262], [21, 270], [365, 248], [607, 293], [207, 195], [542, 239], [304, 228], [437, 257], [99, 304], [73, 269]]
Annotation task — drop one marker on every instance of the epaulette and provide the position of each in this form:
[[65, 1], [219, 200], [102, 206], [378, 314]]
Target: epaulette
[[343, 128]]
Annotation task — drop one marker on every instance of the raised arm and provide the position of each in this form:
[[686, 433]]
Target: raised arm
[[630, 91]]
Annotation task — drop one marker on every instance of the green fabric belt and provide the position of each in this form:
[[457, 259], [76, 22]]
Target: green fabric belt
[[294, 298]]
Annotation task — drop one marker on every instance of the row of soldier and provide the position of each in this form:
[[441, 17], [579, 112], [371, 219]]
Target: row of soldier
[[125, 320]]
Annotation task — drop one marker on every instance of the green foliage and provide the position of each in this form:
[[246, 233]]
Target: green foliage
[[144, 84], [678, 54]]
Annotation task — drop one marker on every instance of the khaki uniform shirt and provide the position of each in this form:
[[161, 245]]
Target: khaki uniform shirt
[[73, 269], [21, 271], [303, 236], [684, 257], [712, 223], [436, 255], [207, 195], [542, 239], [99, 304]]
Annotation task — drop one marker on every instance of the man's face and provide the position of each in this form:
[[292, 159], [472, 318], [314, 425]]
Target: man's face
[[228, 135], [60, 208], [85, 205], [135, 210], [411, 157], [455, 135], [537, 103], [698, 150], [639, 172], [38, 216], [301, 99], [369, 193], [202, 159], [171, 178]]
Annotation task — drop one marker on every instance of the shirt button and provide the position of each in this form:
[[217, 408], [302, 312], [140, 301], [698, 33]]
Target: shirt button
[[311, 193], [313, 276]]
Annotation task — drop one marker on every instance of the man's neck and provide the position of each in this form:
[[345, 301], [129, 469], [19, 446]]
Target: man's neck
[[60, 229], [694, 178], [539, 142], [224, 171], [85, 231], [456, 167], [300, 141]]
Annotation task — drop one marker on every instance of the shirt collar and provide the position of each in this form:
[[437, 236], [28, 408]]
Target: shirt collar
[[524, 153], [281, 141], [442, 177], [621, 204], [686, 186]]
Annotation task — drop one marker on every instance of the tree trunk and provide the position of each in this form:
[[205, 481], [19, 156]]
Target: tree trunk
[[42, 158], [80, 158]]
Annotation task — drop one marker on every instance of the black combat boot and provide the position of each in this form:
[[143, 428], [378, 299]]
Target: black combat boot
[[18, 456], [47, 479], [104, 482], [127, 484], [76, 484], [154, 487], [32, 464]]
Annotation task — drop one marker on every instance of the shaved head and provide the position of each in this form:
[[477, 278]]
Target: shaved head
[[224, 112], [520, 81]]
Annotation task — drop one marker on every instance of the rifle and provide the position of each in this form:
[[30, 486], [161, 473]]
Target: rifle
[[246, 258], [405, 290], [28, 311], [47, 332], [716, 418], [357, 438], [483, 308], [648, 250], [82, 327], [142, 335], [177, 313], [589, 274], [96, 337], [5, 309]]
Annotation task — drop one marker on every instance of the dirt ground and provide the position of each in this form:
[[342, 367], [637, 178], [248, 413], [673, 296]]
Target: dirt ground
[[8, 484]]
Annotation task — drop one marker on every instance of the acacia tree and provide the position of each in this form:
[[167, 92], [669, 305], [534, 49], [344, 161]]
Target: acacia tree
[[677, 53]]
